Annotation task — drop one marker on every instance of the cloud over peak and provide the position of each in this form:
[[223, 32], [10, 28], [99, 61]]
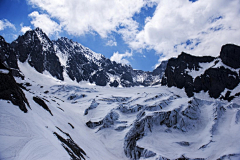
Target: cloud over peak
[[44, 22], [119, 58], [198, 27], [78, 17]]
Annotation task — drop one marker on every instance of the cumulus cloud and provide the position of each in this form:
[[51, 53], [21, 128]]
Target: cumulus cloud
[[78, 17], [24, 28], [119, 58], [199, 28], [44, 22], [6, 24]]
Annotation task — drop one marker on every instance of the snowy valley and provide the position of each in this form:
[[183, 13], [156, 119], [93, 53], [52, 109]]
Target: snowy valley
[[93, 108]]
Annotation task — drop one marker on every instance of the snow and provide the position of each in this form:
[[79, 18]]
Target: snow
[[4, 71], [43, 40], [30, 135], [202, 69]]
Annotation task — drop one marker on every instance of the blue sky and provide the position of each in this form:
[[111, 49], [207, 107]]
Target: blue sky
[[141, 33]]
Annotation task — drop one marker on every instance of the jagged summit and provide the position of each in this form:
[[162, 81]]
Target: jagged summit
[[64, 57], [77, 61]]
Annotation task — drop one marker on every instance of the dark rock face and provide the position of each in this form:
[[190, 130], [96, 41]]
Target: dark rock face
[[39, 101], [9, 89], [230, 55], [106, 122], [114, 84], [215, 80], [74, 151], [100, 78], [8, 55], [176, 75], [160, 69], [78, 67], [82, 65], [79, 62], [37, 49]]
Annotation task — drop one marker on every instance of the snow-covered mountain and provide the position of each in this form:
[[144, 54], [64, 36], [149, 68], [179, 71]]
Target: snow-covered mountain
[[218, 76], [192, 112], [64, 56]]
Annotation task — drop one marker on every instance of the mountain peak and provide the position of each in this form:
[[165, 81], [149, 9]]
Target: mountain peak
[[38, 30]]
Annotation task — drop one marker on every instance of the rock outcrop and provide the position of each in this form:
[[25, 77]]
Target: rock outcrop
[[10, 90], [208, 74]]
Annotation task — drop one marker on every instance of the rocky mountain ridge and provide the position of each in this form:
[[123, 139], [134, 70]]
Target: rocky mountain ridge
[[215, 75], [218, 76], [78, 62]]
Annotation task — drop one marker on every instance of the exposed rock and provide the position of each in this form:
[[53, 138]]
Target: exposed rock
[[229, 156], [9, 89], [93, 105], [8, 56], [130, 109], [116, 99], [71, 125], [183, 143], [37, 49], [70, 146], [100, 78], [230, 55], [176, 75], [39, 101], [172, 119], [114, 84], [76, 96], [79, 62], [120, 128], [160, 69], [107, 122], [215, 80]]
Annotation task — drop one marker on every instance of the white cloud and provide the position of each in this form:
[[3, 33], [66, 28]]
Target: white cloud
[[44, 22], [111, 43], [6, 24], [207, 24], [24, 28], [78, 17], [119, 58], [172, 25]]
